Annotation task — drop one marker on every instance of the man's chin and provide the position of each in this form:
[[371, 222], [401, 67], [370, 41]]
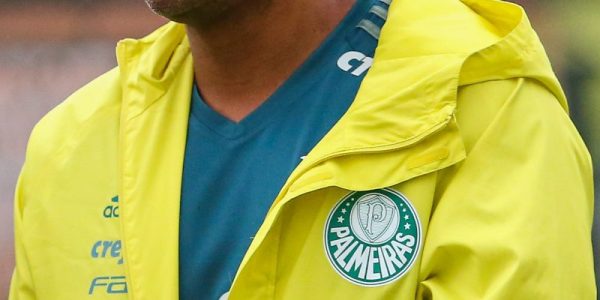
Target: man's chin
[[188, 11], [173, 10]]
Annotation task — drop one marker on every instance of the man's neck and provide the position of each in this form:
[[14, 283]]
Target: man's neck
[[242, 59]]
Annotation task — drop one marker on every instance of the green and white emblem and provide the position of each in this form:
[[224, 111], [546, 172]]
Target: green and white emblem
[[373, 237]]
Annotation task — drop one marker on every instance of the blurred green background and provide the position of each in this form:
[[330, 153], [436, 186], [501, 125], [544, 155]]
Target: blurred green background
[[48, 49]]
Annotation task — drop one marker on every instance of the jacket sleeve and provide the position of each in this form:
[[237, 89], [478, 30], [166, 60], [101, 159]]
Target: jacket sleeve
[[513, 220], [21, 286]]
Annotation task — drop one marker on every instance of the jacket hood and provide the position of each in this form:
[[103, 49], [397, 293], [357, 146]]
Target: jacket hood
[[519, 52], [495, 37]]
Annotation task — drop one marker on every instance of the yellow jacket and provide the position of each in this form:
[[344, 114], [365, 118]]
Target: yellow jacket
[[460, 120]]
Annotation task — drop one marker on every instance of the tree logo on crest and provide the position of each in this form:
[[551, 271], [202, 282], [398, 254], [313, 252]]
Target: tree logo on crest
[[373, 237]]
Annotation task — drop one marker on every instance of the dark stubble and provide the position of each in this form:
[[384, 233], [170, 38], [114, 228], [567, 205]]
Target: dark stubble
[[194, 11]]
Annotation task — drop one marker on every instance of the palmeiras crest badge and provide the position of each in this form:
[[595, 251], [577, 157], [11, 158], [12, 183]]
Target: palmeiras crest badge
[[373, 237]]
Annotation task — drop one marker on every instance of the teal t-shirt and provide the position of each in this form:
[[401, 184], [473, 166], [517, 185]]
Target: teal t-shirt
[[233, 171]]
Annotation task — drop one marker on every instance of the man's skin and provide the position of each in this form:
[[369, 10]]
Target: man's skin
[[244, 50]]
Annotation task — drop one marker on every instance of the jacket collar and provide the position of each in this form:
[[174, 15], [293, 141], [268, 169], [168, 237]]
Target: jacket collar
[[156, 74]]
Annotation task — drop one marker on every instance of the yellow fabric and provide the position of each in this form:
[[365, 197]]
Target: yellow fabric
[[460, 112]]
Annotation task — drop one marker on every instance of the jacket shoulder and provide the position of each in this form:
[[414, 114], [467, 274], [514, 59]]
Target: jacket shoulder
[[95, 104], [505, 110]]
